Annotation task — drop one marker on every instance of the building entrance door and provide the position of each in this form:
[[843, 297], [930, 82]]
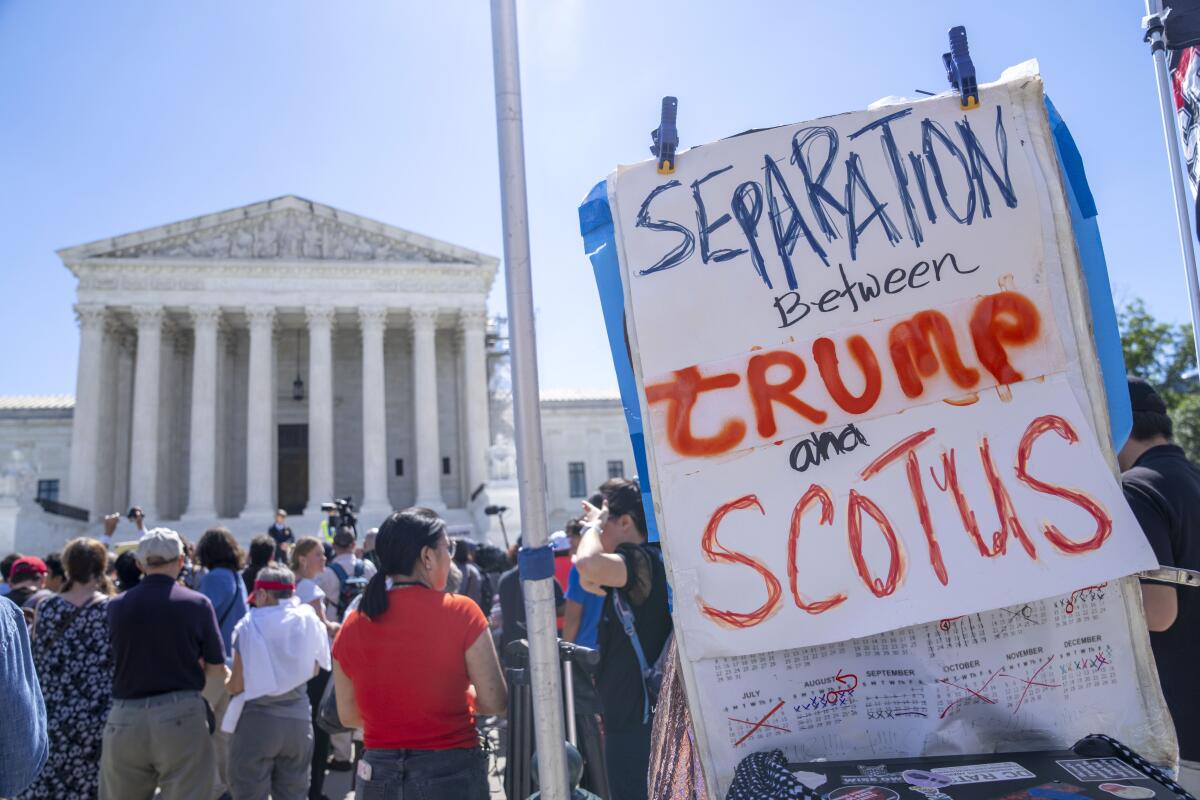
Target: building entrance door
[[293, 468]]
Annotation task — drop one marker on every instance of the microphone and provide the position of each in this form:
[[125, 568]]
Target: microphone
[[492, 511]]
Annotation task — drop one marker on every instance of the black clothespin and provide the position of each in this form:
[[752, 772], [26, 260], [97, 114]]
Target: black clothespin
[[960, 70], [666, 137]]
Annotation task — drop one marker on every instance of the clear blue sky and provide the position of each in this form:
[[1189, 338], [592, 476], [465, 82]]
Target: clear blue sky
[[124, 114]]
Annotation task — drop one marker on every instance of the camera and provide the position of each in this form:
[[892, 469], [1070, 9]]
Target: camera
[[344, 508]]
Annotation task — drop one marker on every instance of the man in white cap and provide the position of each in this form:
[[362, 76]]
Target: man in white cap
[[158, 731]]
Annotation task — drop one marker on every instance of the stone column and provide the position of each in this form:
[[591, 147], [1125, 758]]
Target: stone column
[[143, 453], [375, 504], [475, 395], [85, 424], [260, 413], [202, 465], [425, 408], [320, 407]]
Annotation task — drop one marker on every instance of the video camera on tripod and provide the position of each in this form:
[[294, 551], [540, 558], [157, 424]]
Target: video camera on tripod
[[346, 518]]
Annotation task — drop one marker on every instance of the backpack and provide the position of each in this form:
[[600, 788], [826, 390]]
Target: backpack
[[652, 674], [349, 586]]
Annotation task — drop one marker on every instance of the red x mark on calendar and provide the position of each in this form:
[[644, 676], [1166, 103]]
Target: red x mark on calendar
[[762, 723]]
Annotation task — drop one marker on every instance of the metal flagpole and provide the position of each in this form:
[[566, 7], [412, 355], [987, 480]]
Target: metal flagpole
[[1166, 102], [531, 476]]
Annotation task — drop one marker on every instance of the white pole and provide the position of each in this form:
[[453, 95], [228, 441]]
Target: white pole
[[1166, 104], [531, 478]]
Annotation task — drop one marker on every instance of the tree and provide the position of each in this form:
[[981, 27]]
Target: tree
[[1165, 355]]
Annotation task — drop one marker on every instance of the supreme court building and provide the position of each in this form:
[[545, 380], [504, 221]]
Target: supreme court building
[[280, 355]]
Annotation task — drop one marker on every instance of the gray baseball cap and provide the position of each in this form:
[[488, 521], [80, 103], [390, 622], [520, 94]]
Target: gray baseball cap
[[159, 546]]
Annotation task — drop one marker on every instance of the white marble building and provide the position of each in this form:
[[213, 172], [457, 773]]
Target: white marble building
[[282, 354]]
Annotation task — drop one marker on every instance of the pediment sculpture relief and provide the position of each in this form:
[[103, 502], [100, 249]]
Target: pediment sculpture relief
[[285, 235]]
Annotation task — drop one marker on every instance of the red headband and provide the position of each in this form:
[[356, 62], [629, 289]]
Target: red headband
[[274, 586]]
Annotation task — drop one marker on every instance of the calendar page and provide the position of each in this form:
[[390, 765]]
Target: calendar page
[[1022, 677]]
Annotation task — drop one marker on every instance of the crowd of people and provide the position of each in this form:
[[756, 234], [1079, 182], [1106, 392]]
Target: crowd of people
[[154, 667], [201, 672]]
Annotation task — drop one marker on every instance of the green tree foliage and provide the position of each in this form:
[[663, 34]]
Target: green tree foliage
[[1165, 355]]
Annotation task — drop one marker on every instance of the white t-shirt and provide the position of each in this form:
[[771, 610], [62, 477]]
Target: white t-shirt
[[308, 590]]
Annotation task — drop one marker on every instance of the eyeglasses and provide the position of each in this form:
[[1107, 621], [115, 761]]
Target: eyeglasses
[[451, 546]]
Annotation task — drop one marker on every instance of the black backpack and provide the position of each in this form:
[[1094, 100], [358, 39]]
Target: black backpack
[[349, 586]]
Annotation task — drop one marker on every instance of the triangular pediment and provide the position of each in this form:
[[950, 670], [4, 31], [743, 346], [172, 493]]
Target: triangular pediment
[[285, 229]]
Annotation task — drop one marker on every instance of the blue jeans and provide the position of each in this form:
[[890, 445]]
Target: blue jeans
[[423, 775]]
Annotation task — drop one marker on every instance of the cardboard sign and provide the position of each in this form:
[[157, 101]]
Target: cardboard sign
[[870, 400]]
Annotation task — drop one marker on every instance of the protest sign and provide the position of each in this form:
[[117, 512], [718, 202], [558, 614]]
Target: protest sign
[[859, 355], [861, 378]]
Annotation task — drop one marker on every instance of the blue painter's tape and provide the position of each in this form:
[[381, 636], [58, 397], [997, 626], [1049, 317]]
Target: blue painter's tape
[[1105, 332], [599, 242], [535, 563]]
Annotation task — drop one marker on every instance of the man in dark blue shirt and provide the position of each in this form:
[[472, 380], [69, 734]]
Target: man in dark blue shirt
[[158, 731]]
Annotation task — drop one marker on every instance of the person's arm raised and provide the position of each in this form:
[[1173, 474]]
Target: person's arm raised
[[483, 668], [596, 567]]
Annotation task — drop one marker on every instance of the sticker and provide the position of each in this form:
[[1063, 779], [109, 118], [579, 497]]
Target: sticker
[[1100, 769], [1046, 791], [985, 773], [919, 777], [813, 780], [873, 774], [364, 770], [863, 793], [930, 792], [1128, 792]]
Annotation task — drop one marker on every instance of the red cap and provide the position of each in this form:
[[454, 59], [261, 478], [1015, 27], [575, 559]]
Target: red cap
[[27, 565]]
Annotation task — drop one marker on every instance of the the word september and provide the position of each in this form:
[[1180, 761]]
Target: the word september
[[860, 505], [918, 347], [918, 180]]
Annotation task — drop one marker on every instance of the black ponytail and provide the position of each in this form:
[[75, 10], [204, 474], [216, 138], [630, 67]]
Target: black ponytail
[[399, 543]]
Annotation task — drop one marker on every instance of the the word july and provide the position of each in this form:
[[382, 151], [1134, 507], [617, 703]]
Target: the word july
[[860, 505], [820, 204], [918, 347]]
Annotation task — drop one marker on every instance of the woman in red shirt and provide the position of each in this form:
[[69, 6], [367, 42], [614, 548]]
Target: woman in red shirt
[[412, 666]]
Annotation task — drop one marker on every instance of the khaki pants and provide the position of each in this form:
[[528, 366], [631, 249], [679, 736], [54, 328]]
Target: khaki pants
[[159, 742]]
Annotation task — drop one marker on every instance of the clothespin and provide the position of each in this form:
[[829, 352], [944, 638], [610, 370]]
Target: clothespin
[[666, 137], [960, 70]]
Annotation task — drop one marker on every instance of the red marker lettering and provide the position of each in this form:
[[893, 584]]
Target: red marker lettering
[[819, 493], [906, 448], [999, 319], [825, 355], [1005, 510], [716, 552], [913, 357], [879, 588], [681, 395], [763, 394], [1051, 422]]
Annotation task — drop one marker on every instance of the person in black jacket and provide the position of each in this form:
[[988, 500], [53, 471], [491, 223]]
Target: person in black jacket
[[282, 536]]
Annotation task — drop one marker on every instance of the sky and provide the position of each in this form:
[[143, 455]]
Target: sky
[[126, 114]]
